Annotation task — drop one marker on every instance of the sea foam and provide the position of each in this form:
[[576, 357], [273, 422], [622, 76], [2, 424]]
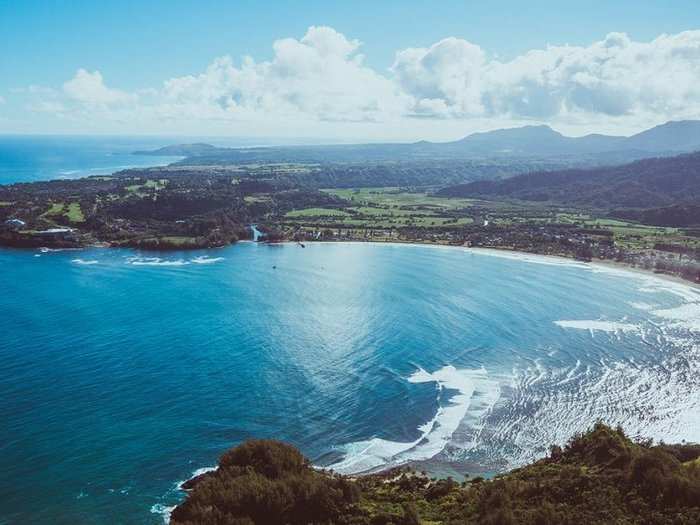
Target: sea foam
[[435, 434], [599, 325], [85, 262], [158, 261]]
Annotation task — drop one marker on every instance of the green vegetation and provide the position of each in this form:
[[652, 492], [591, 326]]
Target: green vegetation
[[74, 213], [143, 189], [59, 210], [56, 208], [267, 482], [195, 206], [398, 198], [317, 212], [601, 476]]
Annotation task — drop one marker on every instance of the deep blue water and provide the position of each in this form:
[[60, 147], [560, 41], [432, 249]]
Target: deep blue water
[[121, 373], [35, 158]]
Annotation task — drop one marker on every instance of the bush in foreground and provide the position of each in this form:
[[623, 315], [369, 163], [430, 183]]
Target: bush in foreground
[[600, 476]]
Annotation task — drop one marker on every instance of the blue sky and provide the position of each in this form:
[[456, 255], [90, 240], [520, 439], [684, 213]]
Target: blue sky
[[138, 46]]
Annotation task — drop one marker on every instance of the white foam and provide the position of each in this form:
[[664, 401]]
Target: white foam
[[436, 433], [603, 326], [196, 473], [85, 262], [661, 401], [641, 306], [685, 316], [203, 259], [163, 510], [155, 261]]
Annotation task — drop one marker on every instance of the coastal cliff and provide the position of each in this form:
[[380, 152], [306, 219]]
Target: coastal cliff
[[601, 476]]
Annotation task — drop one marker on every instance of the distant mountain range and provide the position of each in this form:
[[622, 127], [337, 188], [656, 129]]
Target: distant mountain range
[[681, 136], [524, 142], [662, 191]]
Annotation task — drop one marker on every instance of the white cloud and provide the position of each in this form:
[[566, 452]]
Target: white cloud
[[89, 89], [447, 77], [322, 78], [613, 78]]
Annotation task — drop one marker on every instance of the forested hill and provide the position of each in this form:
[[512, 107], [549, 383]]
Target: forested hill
[[645, 184], [598, 477], [528, 142]]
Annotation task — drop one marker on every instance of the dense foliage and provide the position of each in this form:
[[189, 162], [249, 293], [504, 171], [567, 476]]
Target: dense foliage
[[267, 482], [649, 183], [600, 476]]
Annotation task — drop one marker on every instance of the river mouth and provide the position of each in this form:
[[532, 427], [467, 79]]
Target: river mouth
[[135, 369]]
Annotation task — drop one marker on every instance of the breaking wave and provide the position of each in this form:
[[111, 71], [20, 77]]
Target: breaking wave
[[474, 394], [603, 326], [497, 424], [85, 262], [158, 261]]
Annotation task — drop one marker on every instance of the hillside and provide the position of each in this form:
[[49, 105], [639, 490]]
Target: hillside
[[523, 142], [646, 184], [601, 476]]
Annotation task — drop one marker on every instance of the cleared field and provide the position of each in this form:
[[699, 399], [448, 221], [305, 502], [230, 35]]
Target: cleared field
[[74, 213], [318, 212], [398, 198]]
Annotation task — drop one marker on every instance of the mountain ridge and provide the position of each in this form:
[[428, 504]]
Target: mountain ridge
[[526, 141], [654, 183]]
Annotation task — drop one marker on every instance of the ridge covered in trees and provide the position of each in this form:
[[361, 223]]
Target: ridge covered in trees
[[670, 187], [601, 476]]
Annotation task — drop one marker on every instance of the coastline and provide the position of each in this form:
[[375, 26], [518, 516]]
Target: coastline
[[603, 264]]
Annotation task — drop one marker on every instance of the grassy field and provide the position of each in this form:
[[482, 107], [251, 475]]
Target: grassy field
[[390, 208], [318, 212], [150, 184], [390, 198], [385, 208], [72, 211]]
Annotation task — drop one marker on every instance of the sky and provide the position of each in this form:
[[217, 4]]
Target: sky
[[346, 71]]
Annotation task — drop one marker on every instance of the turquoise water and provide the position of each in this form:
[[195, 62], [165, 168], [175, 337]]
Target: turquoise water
[[122, 373]]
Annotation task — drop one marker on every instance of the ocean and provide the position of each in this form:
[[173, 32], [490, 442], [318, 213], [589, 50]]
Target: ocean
[[123, 373], [31, 158]]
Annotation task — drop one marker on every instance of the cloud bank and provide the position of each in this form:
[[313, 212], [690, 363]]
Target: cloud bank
[[323, 77]]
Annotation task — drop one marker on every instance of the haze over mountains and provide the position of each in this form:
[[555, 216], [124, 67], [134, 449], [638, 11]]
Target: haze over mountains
[[524, 142]]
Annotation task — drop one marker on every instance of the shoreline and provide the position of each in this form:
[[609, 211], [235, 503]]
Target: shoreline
[[604, 264]]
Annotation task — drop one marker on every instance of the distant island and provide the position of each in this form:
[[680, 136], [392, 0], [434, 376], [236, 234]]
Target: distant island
[[538, 198], [601, 476]]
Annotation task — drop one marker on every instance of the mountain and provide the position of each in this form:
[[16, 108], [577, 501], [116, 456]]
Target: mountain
[[534, 142], [681, 135], [181, 150], [601, 476], [645, 184]]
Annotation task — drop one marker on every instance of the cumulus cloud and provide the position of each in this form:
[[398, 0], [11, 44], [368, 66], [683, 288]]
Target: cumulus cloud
[[89, 89], [614, 77], [320, 76], [323, 77]]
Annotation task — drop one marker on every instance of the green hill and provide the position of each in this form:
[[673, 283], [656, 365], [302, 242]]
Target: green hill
[[599, 477]]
